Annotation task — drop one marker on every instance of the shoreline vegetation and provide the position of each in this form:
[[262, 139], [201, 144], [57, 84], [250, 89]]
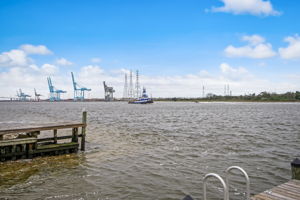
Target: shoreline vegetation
[[261, 97]]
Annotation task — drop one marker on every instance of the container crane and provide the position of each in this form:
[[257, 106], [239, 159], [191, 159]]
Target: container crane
[[36, 95], [78, 90], [54, 93], [22, 96], [108, 92]]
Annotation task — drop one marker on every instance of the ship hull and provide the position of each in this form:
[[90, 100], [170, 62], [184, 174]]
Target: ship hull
[[141, 101]]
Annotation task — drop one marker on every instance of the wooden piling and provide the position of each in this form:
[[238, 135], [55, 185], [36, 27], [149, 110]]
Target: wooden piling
[[75, 134], [55, 136], [13, 151], [295, 165], [84, 115], [23, 149]]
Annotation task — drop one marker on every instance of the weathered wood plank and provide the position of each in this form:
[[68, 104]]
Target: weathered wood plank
[[286, 191], [56, 147], [53, 146], [289, 188], [53, 139], [294, 182], [17, 141], [57, 138], [41, 128]]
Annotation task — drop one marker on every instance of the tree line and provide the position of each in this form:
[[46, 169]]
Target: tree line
[[263, 96]]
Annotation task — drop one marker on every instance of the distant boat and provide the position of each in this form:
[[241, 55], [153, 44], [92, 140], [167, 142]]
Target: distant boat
[[142, 100]]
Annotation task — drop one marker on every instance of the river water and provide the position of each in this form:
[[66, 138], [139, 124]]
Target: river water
[[159, 151]]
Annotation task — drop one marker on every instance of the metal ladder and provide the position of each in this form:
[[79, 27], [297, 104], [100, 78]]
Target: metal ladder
[[225, 183]]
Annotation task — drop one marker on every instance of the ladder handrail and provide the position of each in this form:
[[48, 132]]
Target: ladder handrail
[[246, 177], [226, 196]]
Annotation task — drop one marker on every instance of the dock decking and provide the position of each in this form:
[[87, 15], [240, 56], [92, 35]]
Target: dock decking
[[27, 143], [286, 191]]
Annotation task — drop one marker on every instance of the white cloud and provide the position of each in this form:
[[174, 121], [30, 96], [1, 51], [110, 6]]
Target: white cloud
[[22, 72], [39, 49], [257, 48], [253, 39], [14, 57], [292, 51], [234, 74], [63, 62], [20, 77], [49, 69], [262, 64], [121, 71], [96, 60], [91, 70], [19, 57], [253, 7], [34, 67]]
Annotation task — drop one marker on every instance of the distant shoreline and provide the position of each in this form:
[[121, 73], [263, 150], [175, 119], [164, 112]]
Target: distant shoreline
[[206, 100], [261, 97], [166, 100]]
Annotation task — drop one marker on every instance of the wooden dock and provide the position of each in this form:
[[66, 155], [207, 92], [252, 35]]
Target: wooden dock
[[28, 143], [286, 191]]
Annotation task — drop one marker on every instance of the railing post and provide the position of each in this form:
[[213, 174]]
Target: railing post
[[295, 169], [83, 130], [76, 135]]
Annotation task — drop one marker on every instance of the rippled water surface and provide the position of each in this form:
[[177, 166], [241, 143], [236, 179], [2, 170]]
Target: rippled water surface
[[159, 151]]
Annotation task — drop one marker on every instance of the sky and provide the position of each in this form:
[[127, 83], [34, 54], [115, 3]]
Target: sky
[[178, 46]]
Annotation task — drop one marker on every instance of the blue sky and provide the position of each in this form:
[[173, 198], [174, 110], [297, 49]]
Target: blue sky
[[177, 45]]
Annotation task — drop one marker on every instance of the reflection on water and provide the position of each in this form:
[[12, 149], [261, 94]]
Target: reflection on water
[[159, 151]]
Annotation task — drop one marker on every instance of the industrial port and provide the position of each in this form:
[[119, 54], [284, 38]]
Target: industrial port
[[131, 90]]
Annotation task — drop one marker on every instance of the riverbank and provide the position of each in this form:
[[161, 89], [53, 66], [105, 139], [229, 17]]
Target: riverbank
[[197, 100]]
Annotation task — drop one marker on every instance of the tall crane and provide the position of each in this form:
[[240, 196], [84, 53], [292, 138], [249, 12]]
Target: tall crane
[[22, 96], [78, 90], [36, 95], [108, 92], [54, 93]]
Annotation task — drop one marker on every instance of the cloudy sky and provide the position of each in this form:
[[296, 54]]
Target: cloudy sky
[[178, 46]]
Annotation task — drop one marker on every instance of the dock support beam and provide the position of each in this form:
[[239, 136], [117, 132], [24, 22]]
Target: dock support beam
[[55, 136], [84, 114], [13, 151], [295, 169], [75, 135]]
